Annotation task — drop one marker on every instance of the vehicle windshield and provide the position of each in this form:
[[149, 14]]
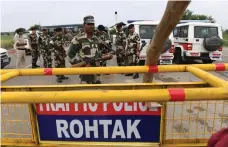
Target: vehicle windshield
[[202, 31], [146, 31]]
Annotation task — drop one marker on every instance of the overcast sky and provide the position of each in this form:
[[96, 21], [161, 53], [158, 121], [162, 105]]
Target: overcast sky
[[17, 13]]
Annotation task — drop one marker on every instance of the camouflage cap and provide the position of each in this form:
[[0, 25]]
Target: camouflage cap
[[120, 24], [131, 26], [88, 19]]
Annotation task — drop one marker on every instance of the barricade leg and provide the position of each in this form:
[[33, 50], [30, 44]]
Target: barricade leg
[[33, 120], [9, 75], [207, 77]]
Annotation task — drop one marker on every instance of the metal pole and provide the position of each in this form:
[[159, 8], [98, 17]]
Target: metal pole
[[116, 16], [114, 69], [99, 96]]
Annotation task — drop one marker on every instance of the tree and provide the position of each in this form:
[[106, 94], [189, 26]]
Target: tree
[[35, 26], [188, 15], [112, 31]]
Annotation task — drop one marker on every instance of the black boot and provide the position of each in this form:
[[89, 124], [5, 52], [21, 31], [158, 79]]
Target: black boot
[[98, 82], [130, 74], [64, 78], [136, 76], [35, 66], [59, 80]]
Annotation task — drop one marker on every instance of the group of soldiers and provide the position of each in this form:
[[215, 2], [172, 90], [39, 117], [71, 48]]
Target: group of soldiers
[[90, 44], [86, 46], [127, 47]]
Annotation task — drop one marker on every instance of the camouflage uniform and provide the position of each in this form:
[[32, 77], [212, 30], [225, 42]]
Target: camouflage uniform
[[58, 50], [103, 36], [85, 48], [68, 38], [44, 46], [59, 53], [33, 39], [120, 47], [132, 41]]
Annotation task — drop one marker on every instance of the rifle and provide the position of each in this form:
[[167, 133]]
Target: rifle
[[94, 59]]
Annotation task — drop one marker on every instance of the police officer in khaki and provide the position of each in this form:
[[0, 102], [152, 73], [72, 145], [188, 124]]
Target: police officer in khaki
[[19, 45]]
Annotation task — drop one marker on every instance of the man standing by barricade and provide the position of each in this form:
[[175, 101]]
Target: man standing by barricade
[[44, 46], [19, 45], [133, 45], [120, 45], [33, 41], [59, 52]]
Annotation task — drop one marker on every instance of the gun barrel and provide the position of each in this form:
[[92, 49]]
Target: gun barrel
[[79, 64]]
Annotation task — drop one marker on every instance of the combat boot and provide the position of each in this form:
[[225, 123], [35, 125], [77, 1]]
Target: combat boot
[[136, 76], [129, 74], [64, 78], [35, 66], [59, 80], [97, 82]]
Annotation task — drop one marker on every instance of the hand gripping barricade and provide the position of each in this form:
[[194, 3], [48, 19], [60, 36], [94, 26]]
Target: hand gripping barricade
[[114, 114]]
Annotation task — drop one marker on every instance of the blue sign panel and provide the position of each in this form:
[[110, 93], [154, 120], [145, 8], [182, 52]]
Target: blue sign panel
[[103, 122]]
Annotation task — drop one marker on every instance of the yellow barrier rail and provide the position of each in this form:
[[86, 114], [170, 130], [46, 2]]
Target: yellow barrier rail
[[116, 70], [161, 95], [191, 111]]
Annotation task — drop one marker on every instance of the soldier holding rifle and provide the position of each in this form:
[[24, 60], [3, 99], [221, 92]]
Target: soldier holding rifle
[[85, 45]]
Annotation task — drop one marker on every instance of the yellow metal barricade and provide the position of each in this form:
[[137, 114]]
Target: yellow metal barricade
[[191, 111]]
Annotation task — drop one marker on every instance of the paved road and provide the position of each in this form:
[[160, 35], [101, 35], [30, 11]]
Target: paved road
[[115, 78], [197, 118]]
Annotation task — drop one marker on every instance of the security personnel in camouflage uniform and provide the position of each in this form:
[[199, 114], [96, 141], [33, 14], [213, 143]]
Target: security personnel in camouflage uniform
[[68, 37], [85, 45], [44, 46], [133, 45], [120, 45], [103, 36], [33, 41], [59, 52]]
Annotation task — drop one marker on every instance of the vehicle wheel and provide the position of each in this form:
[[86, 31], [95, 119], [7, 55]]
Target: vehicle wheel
[[177, 57], [207, 61]]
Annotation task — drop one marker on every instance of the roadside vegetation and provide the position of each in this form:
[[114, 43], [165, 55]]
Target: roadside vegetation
[[225, 38], [7, 41]]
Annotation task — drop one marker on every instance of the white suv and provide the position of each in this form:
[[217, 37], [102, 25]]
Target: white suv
[[146, 30], [197, 41]]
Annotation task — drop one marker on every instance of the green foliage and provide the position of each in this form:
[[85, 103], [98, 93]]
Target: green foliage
[[6, 42], [36, 26], [188, 15], [112, 31], [225, 38]]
